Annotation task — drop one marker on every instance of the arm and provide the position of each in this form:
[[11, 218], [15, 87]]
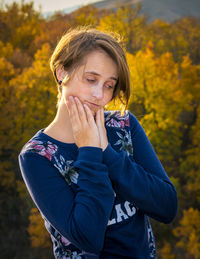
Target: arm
[[143, 180], [81, 217]]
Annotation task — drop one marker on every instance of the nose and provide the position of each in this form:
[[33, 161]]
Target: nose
[[97, 91]]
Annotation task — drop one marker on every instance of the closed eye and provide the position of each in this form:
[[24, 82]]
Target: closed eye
[[90, 80], [110, 86]]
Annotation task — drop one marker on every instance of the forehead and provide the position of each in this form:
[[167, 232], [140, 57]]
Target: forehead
[[101, 62]]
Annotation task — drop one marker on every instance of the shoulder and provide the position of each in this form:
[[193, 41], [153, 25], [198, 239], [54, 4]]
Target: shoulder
[[118, 120], [39, 145]]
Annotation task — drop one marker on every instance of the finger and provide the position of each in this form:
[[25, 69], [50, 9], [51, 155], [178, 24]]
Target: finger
[[101, 128], [100, 113], [98, 119], [99, 123], [73, 111], [90, 117], [102, 116], [81, 110]]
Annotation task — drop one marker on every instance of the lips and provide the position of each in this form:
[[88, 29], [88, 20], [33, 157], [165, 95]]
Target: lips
[[92, 105]]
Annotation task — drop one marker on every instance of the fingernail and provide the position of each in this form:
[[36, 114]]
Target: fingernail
[[76, 98]]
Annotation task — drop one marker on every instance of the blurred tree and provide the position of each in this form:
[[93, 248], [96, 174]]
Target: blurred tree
[[38, 234], [180, 38], [26, 24], [13, 215], [188, 233], [165, 97], [165, 252], [128, 22], [51, 30], [158, 99], [36, 99], [86, 15]]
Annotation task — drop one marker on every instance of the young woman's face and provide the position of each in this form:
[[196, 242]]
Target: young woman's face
[[94, 81]]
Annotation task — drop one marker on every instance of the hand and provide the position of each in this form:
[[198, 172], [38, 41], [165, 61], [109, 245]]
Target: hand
[[84, 128], [101, 128]]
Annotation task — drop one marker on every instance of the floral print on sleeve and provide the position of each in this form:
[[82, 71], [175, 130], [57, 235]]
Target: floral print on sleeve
[[46, 149], [62, 247], [125, 142], [151, 240], [65, 167], [114, 119]]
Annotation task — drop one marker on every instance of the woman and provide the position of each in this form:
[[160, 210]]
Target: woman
[[94, 175]]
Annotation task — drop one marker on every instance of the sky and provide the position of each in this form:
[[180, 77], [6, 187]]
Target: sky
[[53, 5]]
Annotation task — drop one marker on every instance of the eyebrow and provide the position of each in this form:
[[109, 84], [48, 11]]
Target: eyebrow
[[96, 74]]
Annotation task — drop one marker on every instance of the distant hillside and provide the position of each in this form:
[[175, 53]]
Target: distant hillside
[[168, 10]]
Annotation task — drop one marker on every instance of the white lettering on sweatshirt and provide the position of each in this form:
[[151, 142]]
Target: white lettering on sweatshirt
[[122, 214]]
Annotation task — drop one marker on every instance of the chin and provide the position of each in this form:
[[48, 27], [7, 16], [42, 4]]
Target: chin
[[93, 109]]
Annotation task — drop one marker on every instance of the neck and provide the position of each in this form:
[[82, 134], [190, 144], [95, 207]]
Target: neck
[[60, 128]]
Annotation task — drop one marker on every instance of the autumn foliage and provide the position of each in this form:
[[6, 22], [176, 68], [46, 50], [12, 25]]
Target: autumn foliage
[[164, 60]]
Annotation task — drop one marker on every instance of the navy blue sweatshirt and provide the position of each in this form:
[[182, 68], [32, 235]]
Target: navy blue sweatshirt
[[97, 204]]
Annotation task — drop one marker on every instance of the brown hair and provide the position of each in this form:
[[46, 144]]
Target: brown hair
[[77, 43]]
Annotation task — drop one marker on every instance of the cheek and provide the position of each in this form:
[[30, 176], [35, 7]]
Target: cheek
[[108, 97], [75, 89]]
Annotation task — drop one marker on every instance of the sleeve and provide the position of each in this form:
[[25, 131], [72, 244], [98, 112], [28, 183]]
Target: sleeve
[[142, 180], [80, 216]]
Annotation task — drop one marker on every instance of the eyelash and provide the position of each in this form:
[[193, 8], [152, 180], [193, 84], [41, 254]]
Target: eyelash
[[90, 80], [93, 80]]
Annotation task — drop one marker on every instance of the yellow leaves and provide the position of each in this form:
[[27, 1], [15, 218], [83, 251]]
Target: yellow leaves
[[23, 192], [81, 19], [6, 69], [25, 34], [128, 23], [7, 178], [86, 15], [190, 78], [113, 22], [195, 132], [190, 165], [155, 80], [165, 96], [115, 105], [189, 232], [38, 234], [39, 71], [6, 50], [25, 101], [166, 252]]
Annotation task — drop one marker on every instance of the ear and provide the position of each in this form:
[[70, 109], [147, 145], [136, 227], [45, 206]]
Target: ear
[[60, 73]]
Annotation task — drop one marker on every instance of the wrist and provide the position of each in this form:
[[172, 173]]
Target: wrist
[[89, 144], [104, 146]]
